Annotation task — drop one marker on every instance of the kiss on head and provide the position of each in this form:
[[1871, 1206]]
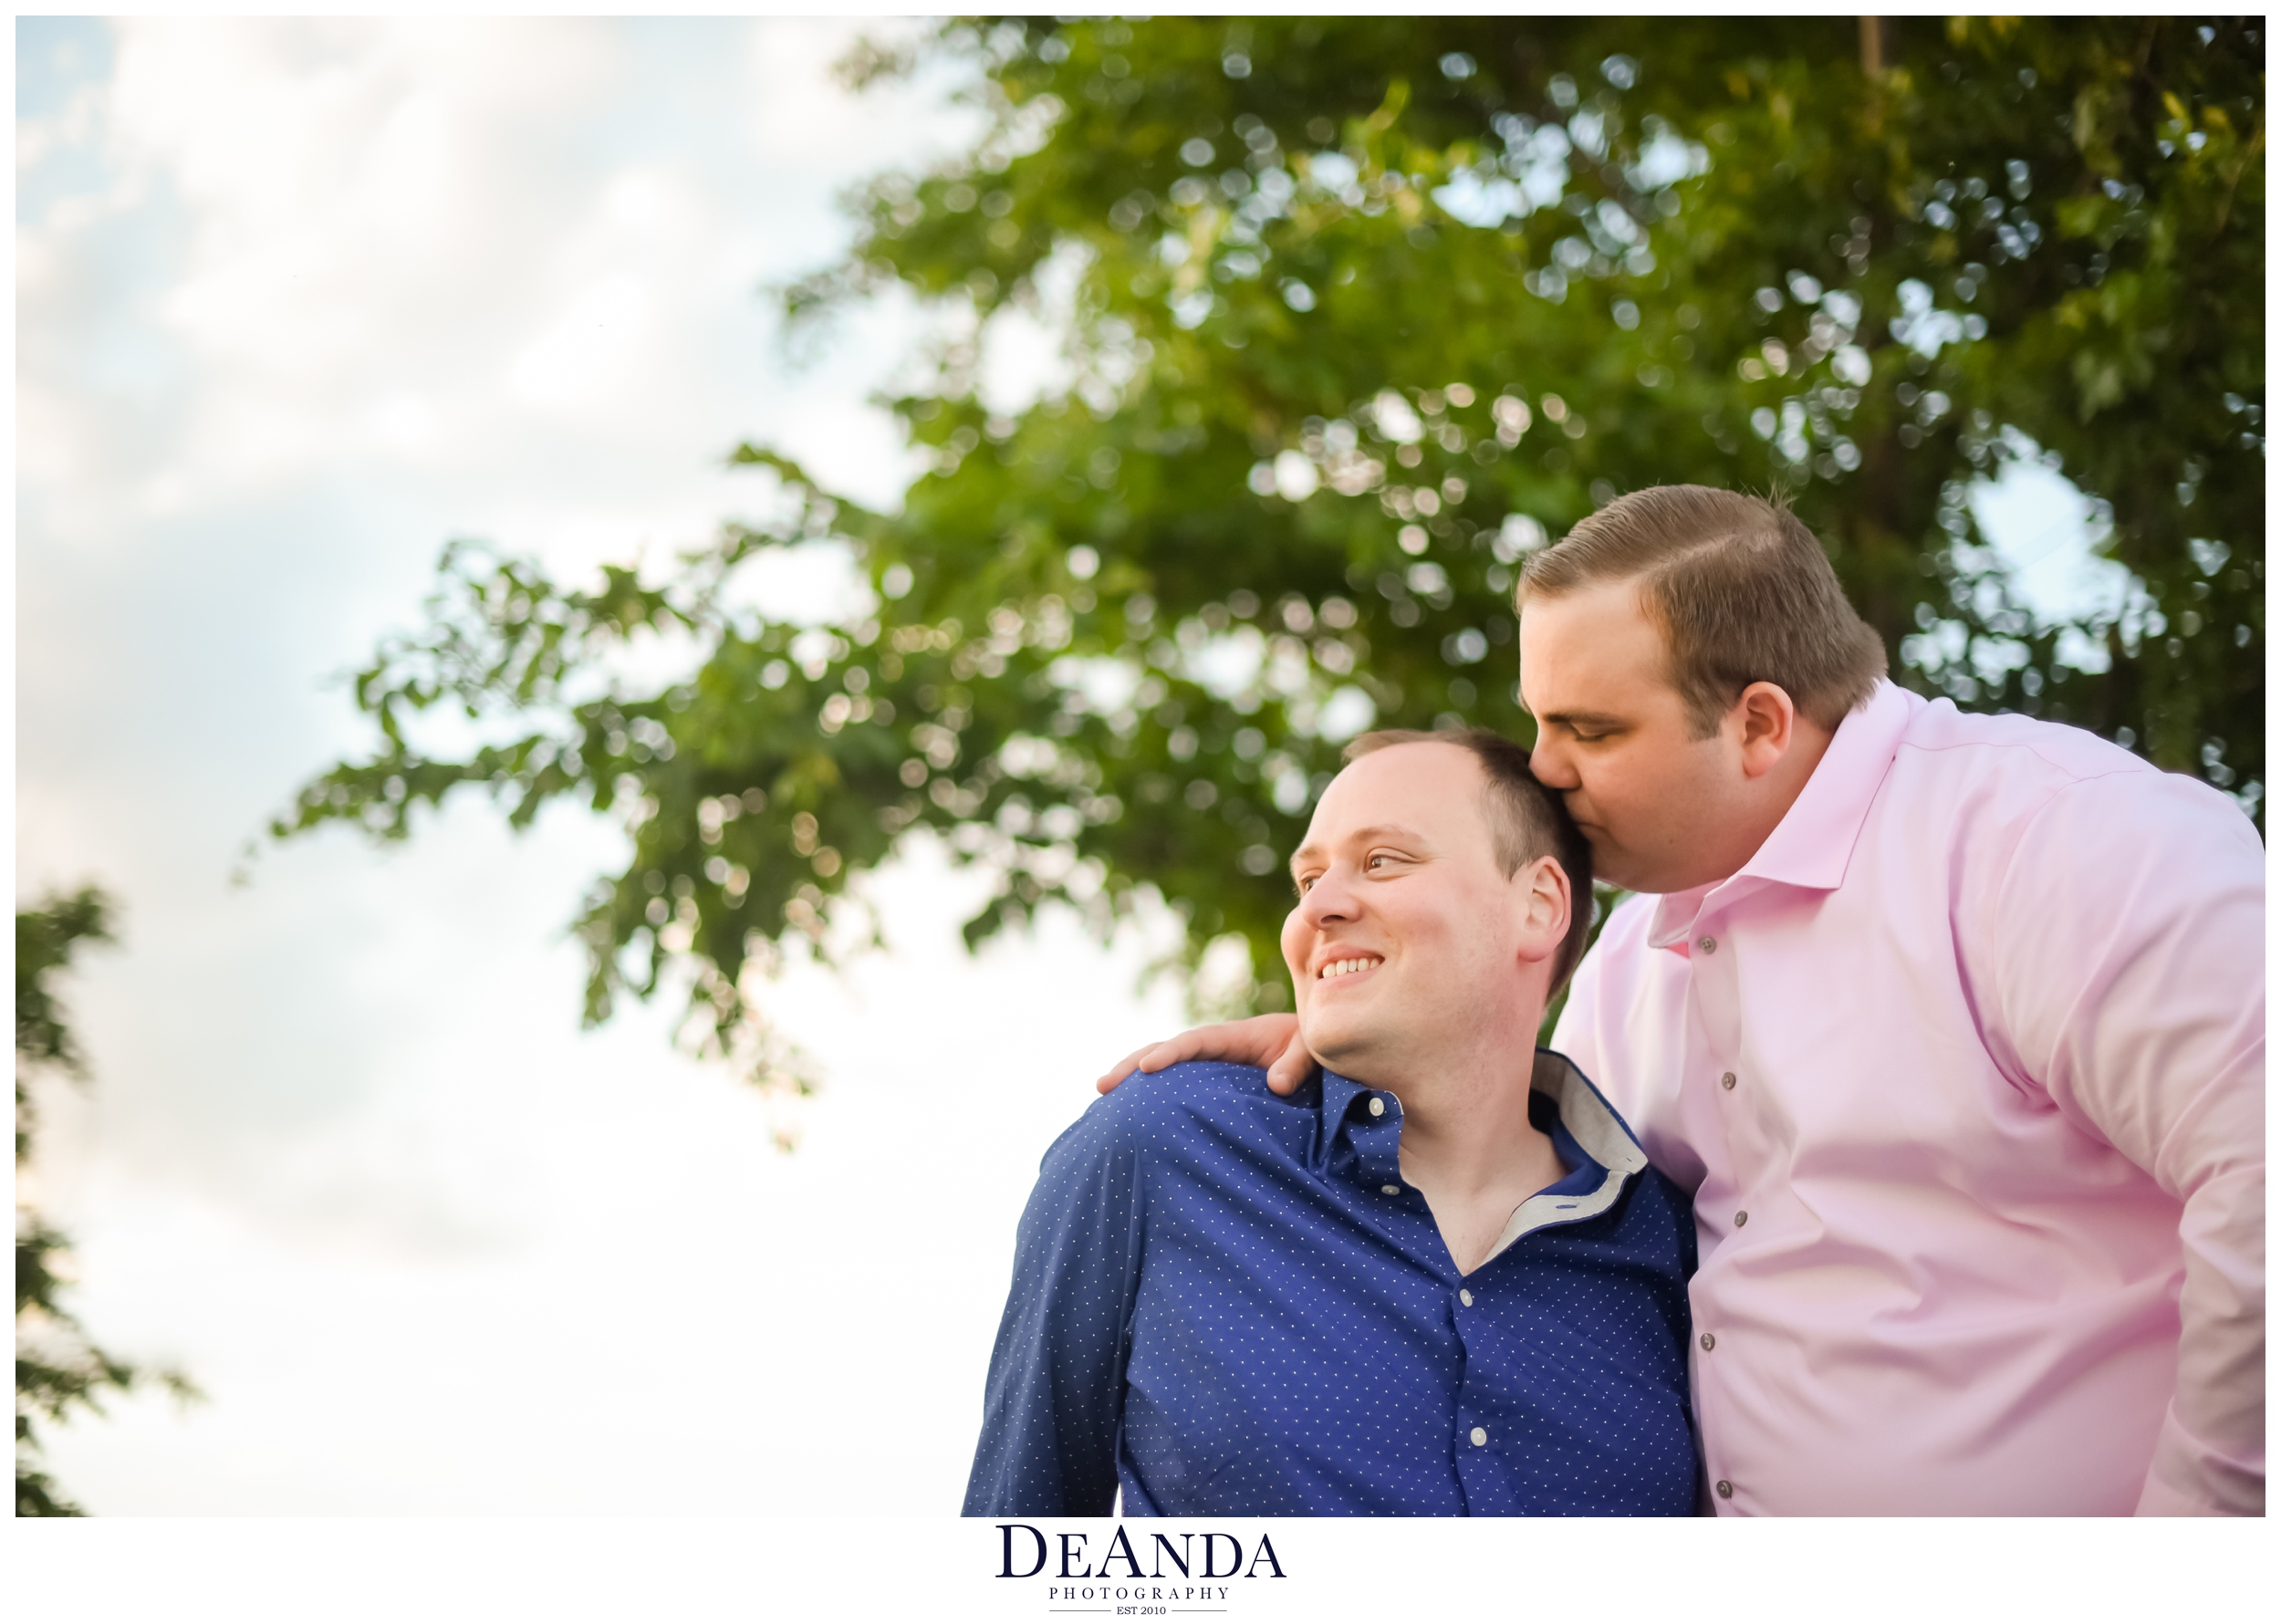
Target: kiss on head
[[1914, 1019], [1443, 894]]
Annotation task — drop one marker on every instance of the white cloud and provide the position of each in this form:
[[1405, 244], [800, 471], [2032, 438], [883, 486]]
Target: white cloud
[[297, 301], [532, 227], [581, 355]]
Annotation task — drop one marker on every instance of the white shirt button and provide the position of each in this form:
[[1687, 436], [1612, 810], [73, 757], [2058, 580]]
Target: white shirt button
[[1465, 1297], [1741, 1219], [1479, 1435], [1726, 1079], [1378, 1107], [1389, 1190], [1709, 945]]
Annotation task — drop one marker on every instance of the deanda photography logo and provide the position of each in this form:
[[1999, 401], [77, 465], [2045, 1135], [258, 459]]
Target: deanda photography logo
[[1184, 1571]]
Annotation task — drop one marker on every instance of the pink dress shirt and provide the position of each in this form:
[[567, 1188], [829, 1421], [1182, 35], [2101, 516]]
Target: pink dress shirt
[[1966, 1070]]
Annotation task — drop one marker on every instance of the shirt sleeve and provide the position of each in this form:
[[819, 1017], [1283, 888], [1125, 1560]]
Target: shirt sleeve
[[2130, 980], [1056, 1391]]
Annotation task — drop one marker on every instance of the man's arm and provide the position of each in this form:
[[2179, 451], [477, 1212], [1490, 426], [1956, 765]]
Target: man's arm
[[1055, 1390], [2129, 977]]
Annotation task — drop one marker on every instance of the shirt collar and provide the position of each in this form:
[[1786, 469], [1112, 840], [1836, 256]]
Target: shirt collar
[[1353, 1143], [1811, 845], [1338, 1095], [1611, 1156], [1586, 1132]]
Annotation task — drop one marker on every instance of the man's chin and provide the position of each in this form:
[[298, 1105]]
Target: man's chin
[[1338, 1045], [1611, 864]]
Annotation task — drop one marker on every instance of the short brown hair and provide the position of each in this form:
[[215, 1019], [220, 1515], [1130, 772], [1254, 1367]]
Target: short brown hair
[[1526, 821], [1743, 593]]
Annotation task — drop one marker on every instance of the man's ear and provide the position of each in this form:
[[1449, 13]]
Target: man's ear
[[1541, 892], [1764, 723]]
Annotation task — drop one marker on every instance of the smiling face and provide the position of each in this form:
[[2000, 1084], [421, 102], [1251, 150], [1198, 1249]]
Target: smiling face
[[1408, 937], [1664, 810]]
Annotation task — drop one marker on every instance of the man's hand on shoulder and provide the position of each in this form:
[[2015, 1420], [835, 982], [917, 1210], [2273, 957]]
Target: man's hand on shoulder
[[1268, 1040]]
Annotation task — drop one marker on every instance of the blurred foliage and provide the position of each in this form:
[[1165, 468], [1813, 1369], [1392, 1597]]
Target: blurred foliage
[[57, 1366], [1357, 312]]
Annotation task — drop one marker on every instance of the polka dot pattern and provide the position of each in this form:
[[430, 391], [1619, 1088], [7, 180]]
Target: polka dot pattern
[[1216, 1306]]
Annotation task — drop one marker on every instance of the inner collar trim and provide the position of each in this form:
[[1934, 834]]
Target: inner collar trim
[[1590, 1122]]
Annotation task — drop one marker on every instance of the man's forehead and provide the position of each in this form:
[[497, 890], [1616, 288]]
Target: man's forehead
[[1368, 831], [1404, 785], [1580, 642]]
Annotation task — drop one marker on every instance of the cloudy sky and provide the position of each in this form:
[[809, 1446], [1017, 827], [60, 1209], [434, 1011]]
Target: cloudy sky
[[296, 303]]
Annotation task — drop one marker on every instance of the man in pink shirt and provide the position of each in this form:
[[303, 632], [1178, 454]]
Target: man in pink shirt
[[1954, 1024]]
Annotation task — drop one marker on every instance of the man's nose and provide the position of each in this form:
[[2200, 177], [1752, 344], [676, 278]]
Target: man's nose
[[1328, 900], [1551, 765]]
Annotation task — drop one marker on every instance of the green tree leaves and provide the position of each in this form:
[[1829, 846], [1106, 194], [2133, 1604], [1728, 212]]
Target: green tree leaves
[[57, 1366], [1357, 312]]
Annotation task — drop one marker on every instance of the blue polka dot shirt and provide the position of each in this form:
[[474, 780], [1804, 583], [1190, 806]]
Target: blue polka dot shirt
[[1229, 1302]]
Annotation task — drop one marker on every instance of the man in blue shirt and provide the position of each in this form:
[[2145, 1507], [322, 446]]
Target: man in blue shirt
[[1439, 1280]]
